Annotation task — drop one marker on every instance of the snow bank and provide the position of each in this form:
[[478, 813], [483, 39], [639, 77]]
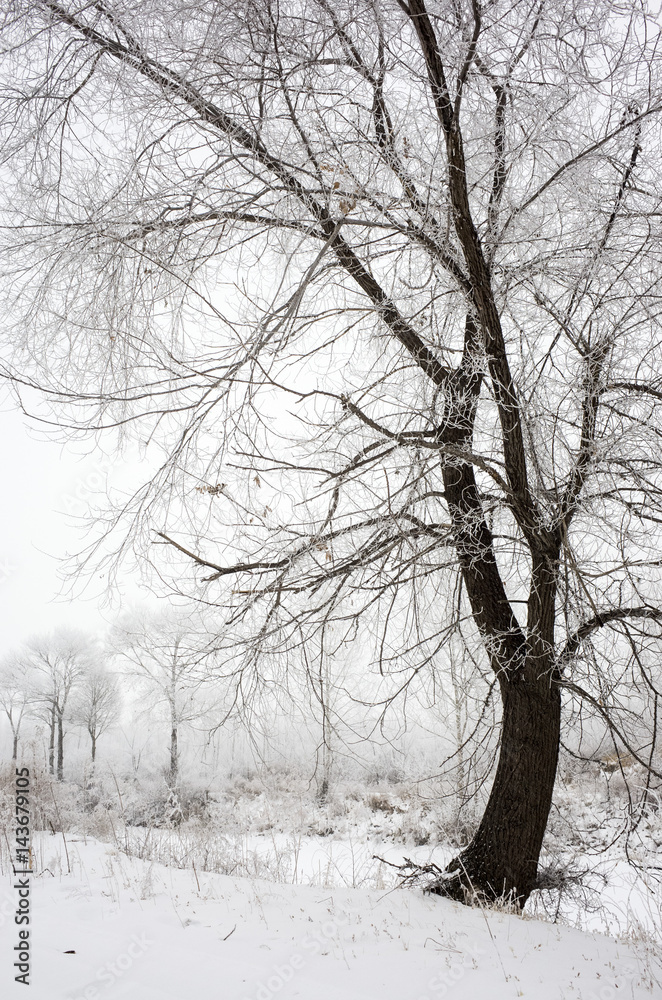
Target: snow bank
[[141, 931]]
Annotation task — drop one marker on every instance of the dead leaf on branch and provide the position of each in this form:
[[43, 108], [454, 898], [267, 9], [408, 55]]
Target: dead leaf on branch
[[213, 490]]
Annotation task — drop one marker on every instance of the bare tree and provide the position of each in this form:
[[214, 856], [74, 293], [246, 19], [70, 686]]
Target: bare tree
[[166, 652], [383, 280], [57, 662], [97, 704], [14, 697]]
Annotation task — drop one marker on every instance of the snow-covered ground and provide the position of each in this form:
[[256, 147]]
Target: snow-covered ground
[[111, 927], [616, 899]]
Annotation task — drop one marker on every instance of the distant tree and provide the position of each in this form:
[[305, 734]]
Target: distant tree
[[15, 696], [166, 653], [97, 703], [58, 662]]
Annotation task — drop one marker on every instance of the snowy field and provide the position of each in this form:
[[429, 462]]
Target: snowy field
[[111, 927]]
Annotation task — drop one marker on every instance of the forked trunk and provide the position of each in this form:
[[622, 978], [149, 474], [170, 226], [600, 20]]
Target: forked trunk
[[502, 858]]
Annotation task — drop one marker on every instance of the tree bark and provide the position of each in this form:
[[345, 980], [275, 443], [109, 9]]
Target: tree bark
[[174, 756], [502, 858], [51, 743], [14, 754], [60, 749], [94, 747]]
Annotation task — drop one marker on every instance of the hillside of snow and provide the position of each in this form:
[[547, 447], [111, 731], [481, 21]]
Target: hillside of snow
[[110, 927]]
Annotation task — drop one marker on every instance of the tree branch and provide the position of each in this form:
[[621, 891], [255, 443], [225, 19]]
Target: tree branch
[[598, 621], [210, 113]]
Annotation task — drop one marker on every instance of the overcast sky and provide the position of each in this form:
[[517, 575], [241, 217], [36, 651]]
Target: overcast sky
[[48, 490]]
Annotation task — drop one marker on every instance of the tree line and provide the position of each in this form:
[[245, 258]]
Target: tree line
[[70, 679]]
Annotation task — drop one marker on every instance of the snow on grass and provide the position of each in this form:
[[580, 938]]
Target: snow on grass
[[143, 931]]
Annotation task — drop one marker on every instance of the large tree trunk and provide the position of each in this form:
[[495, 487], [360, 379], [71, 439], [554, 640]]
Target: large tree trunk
[[14, 754], [502, 858], [94, 746]]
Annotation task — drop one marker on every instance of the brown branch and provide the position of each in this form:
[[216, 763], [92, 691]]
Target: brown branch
[[223, 570], [598, 621], [479, 275], [593, 148], [417, 438], [590, 404], [637, 387]]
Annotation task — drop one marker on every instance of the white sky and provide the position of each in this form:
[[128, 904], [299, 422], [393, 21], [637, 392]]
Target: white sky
[[47, 487]]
